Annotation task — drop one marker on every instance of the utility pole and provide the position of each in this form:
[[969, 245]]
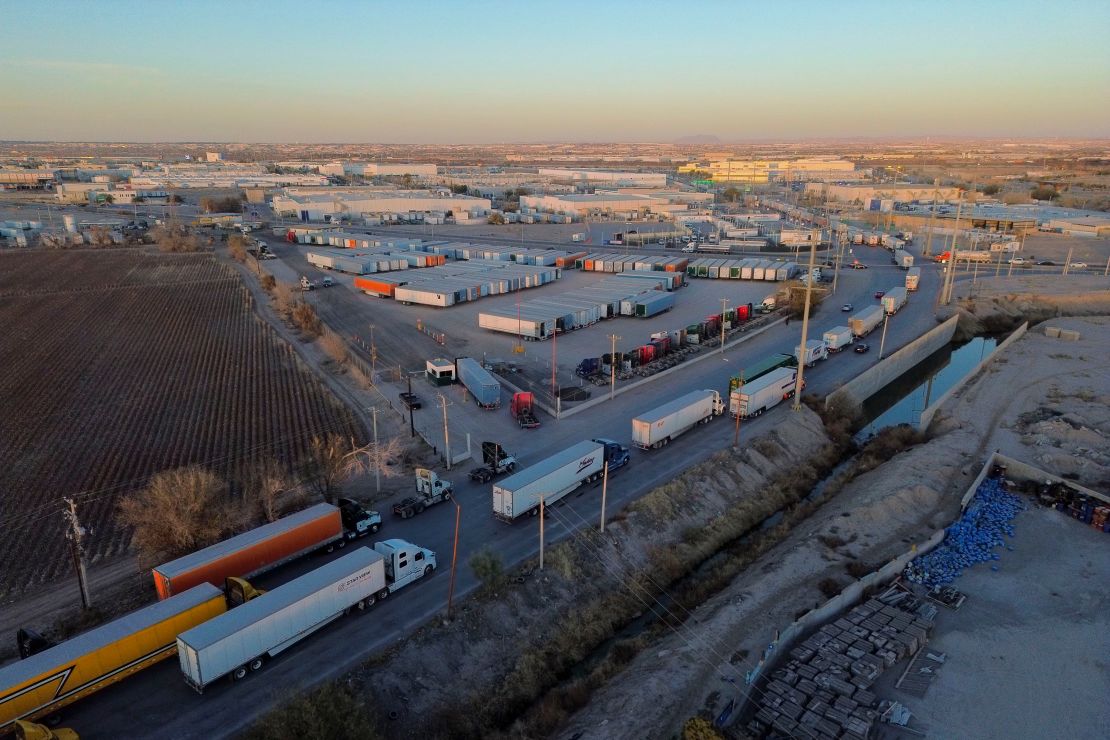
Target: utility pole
[[446, 435], [612, 365], [76, 536], [951, 274], [740, 392], [882, 342], [932, 220], [604, 488], [1067, 262], [724, 305], [412, 425], [799, 383], [542, 515], [373, 355], [454, 557], [377, 454], [554, 359]]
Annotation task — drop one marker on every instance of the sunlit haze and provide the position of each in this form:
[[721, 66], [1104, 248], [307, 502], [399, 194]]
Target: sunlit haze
[[571, 71]]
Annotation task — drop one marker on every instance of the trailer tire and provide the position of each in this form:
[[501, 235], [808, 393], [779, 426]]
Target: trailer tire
[[256, 664], [368, 602], [239, 673]]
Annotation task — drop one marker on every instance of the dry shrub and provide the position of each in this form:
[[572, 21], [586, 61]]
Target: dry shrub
[[489, 569], [334, 347], [331, 711], [175, 237], [268, 282], [697, 728], [887, 443], [305, 318], [237, 247], [829, 587], [178, 512], [859, 568], [264, 488], [285, 298]]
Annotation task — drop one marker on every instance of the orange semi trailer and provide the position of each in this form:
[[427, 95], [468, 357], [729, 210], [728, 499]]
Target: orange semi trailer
[[42, 683], [248, 554]]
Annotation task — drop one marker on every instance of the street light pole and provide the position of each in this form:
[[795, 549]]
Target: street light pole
[[604, 488], [454, 558], [724, 305], [541, 531], [882, 342], [412, 425], [446, 435], [612, 364], [799, 383], [740, 393]]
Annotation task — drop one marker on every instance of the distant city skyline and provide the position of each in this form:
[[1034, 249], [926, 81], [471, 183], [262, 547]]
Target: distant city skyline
[[485, 73]]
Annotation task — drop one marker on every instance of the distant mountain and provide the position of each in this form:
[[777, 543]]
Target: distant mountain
[[698, 139]]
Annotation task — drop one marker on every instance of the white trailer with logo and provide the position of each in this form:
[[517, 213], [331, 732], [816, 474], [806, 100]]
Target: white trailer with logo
[[763, 393], [837, 338]]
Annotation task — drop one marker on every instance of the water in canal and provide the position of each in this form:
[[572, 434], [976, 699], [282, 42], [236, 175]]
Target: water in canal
[[902, 400]]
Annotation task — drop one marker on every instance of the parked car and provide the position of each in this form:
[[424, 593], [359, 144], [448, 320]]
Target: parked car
[[1048, 263], [880, 293], [411, 400], [327, 282], [1017, 260], [1078, 266], [846, 307], [861, 347]]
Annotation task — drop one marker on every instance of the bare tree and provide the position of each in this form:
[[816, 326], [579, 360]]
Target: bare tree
[[334, 347], [265, 486], [334, 459], [285, 298], [304, 316], [180, 511], [237, 247], [174, 237]]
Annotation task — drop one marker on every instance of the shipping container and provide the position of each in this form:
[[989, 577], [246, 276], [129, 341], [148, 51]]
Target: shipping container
[[45, 682], [555, 477], [649, 306], [241, 639], [659, 426], [764, 393], [375, 287], [893, 300], [253, 552], [913, 278], [837, 338], [483, 386]]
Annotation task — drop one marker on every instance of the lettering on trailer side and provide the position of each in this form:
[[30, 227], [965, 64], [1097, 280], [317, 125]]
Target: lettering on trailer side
[[585, 463], [353, 580]]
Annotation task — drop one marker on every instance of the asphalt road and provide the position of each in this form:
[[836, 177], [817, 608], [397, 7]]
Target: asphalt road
[[158, 703]]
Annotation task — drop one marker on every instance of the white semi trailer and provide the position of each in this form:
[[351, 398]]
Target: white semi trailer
[[763, 393], [865, 321], [241, 640], [555, 477], [893, 300], [659, 426], [837, 338]]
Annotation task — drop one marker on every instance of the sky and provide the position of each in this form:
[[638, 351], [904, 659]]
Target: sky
[[478, 72]]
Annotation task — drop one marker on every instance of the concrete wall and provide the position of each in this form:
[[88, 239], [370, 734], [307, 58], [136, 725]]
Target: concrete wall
[[857, 391], [928, 414]]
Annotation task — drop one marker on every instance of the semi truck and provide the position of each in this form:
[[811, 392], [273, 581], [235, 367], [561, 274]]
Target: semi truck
[[837, 338], [893, 300], [319, 527], [913, 278], [522, 407], [483, 386], [903, 259], [864, 322], [495, 461], [813, 352], [659, 426], [752, 399], [43, 683], [240, 641], [555, 477], [761, 368], [430, 490]]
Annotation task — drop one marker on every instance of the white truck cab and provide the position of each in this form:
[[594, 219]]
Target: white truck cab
[[404, 562]]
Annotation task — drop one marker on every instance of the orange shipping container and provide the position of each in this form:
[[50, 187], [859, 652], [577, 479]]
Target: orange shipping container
[[569, 260], [252, 552], [679, 266], [375, 286]]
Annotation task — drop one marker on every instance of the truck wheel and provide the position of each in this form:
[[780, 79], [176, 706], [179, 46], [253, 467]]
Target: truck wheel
[[330, 547], [368, 602], [428, 571], [420, 508], [374, 528], [256, 664], [239, 673], [342, 543], [446, 495], [383, 594], [534, 512], [510, 467]]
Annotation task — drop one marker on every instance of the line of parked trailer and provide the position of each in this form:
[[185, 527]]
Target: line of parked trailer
[[742, 269], [641, 294], [210, 615], [456, 282]]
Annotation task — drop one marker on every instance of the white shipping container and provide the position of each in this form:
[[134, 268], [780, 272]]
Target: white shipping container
[[552, 478], [658, 426], [837, 338], [763, 393], [242, 638]]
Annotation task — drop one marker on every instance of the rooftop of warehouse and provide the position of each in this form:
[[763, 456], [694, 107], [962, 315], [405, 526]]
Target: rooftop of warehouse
[[600, 197]]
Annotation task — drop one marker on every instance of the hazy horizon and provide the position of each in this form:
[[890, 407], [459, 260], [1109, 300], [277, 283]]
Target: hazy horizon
[[547, 73]]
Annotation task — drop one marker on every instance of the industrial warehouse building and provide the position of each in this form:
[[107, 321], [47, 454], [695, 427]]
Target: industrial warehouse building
[[1082, 226], [581, 206], [606, 177], [761, 171], [335, 203], [863, 194], [375, 169], [26, 179]]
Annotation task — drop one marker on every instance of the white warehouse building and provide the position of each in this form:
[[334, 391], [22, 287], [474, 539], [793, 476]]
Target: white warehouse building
[[606, 177], [371, 169], [600, 203], [326, 204]]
